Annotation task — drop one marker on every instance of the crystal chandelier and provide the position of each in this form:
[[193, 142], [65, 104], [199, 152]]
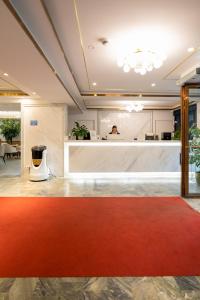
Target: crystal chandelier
[[141, 60], [135, 106]]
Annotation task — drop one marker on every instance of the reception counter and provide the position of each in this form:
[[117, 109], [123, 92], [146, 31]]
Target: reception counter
[[122, 158]]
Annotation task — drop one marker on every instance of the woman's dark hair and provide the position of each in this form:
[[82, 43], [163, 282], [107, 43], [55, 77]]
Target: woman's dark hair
[[114, 127]]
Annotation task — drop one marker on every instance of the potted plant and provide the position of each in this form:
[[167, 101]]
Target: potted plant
[[194, 155], [9, 128], [177, 135], [80, 131]]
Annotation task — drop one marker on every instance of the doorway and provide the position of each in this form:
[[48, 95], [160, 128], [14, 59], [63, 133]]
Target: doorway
[[190, 127], [10, 140]]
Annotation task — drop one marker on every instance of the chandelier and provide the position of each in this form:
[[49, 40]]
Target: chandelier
[[135, 106], [141, 60]]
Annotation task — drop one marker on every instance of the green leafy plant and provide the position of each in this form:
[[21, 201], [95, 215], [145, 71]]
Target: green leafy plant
[[10, 128], [177, 135], [79, 131], [194, 137], [194, 132]]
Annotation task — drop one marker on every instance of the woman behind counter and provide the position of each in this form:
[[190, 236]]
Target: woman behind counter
[[114, 130]]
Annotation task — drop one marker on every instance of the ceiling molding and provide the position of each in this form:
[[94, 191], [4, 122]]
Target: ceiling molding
[[30, 36], [124, 109], [8, 82], [59, 41], [81, 41], [129, 95], [179, 64]]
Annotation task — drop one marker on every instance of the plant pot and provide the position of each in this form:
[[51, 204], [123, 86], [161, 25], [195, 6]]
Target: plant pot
[[80, 137], [197, 176]]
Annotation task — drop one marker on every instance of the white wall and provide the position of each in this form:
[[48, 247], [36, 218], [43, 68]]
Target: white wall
[[130, 125], [89, 118], [50, 131], [163, 121]]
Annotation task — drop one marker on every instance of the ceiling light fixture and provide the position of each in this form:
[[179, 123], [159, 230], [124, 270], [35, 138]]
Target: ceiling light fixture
[[5, 74], [94, 83], [91, 47], [141, 60], [135, 106], [153, 84], [191, 49]]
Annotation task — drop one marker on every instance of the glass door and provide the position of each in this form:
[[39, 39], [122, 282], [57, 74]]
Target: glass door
[[190, 125]]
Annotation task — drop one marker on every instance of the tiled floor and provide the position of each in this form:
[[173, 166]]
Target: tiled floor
[[88, 187], [12, 167], [113, 288], [127, 288]]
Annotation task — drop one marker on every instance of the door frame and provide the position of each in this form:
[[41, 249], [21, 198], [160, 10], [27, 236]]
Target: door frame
[[184, 139]]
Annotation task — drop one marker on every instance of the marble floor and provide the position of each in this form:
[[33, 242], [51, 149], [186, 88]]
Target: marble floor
[[101, 288], [11, 168], [88, 187], [97, 288]]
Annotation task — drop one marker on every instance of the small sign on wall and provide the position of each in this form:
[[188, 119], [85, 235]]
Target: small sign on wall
[[34, 122]]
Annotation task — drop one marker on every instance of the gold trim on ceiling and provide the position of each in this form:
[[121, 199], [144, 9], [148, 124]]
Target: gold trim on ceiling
[[9, 93], [128, 95], [81, 41], [124, 109]]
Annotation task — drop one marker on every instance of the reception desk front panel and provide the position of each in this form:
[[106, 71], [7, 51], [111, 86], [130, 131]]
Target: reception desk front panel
[[122, 157]]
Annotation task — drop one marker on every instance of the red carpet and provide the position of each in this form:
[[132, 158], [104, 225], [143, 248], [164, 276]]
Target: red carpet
[[98, 237]]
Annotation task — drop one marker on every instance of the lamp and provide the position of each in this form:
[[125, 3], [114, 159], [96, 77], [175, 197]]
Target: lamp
[[135, 106], [141, 60]]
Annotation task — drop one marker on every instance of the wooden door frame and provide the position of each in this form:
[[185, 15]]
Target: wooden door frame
[[184, 140]]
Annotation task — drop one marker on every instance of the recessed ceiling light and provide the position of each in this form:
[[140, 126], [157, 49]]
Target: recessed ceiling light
[[94, 83], [5, 74], [91, 47], [153, 84], [191, 49]]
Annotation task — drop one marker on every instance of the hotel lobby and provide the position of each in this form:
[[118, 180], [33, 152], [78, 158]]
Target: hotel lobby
[[99, 150]]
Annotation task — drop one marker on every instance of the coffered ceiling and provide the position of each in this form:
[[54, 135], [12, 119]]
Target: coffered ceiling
[[67, 35]]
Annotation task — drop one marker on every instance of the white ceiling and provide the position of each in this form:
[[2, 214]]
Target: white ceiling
[[26, 67], [68, 33], [6, 85]]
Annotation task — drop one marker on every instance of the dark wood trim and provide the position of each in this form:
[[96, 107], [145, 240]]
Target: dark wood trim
[[192, 85], [184, 141]]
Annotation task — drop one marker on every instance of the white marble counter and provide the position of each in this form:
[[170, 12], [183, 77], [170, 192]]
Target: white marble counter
[[129, 158]]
